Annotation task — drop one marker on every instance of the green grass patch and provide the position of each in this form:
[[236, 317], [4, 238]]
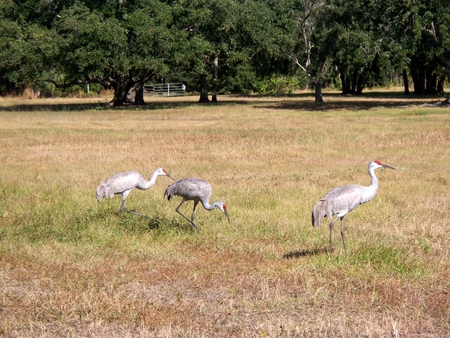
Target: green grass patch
[[387, 259]]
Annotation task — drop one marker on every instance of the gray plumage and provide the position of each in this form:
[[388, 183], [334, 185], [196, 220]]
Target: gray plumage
[[342, 200], [123, 183], [197, 190]]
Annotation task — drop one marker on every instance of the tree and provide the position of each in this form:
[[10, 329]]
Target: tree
[[226, 45], [357, 43], [119, 46], [24, 45], [417, 39], [210, 27], [299, 21], [230, 41], [430, 59], [261, 38], [12, 53]]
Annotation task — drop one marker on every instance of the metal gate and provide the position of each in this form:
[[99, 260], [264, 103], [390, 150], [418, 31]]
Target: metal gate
[[165, 89]]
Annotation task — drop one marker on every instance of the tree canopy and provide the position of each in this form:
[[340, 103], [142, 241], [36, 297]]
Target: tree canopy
[[236, 46]]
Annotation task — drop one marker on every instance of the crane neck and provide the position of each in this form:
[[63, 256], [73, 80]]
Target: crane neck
[[152, 181], [373, 177], [208, 206], [370, 191]]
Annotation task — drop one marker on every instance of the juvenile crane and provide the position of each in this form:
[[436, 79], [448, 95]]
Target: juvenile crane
[[123, 183], [342, 200], [197, 190]]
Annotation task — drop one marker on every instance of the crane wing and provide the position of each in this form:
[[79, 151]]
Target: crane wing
[[189, 188], [120, 182], [343, 199]]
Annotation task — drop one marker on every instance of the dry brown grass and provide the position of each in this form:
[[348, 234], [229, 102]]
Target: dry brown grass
[[71, 267]]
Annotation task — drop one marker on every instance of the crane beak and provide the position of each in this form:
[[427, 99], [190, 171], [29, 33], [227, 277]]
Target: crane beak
[[226, 214], [170, 176], [387, 166]]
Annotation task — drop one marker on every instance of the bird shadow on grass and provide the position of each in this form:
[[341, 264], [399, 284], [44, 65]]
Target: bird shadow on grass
[[136, 223], [305, 253], [163, 223]]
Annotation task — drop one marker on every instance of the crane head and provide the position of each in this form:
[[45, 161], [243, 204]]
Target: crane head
[[377, 164], [163, 172], [222, 206]]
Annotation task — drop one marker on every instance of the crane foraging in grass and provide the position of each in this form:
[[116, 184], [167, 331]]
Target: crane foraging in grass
[[197, 190], [342, 200], [123, 183]]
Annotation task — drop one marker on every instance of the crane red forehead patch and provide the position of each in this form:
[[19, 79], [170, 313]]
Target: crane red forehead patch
[[224, 207], [377, 162]]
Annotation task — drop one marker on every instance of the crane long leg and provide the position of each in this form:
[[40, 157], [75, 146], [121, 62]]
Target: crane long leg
[[343, 235], [192, 223], [331, 228], [193, 211], [122, 207], [124, 198]]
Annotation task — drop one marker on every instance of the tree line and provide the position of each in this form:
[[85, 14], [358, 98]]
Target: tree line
[[226, 46]]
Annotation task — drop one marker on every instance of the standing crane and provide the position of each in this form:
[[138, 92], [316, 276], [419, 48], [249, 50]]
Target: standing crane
[[342, 200], [197, 190], [123, 183]]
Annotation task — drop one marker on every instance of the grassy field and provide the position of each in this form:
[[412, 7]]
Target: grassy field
[[72, 267]]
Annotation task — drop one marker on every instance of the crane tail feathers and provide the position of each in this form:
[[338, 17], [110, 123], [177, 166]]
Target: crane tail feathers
[[170, 191]]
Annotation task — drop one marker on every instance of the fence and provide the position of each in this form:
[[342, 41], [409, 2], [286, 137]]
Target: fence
[[165, 89]]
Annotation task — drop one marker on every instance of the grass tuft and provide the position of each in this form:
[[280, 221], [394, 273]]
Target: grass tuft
[[388, 259]]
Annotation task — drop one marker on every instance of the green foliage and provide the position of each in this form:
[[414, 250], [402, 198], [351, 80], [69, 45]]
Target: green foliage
[[240, 79], [117, 45], [281, 85]]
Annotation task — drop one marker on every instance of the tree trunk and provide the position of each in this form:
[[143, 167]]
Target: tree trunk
[[431, 83], [360, 84], [440, 86], [131, 95], [203, 90], [318, 91], [139, 94], [354, 82], [405, 81], [417, 73], [10, 88], [215, 71], [345, 84], [121, 88]]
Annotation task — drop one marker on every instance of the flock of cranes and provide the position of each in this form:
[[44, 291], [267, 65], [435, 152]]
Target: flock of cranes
[[338, 201], [190, 189]]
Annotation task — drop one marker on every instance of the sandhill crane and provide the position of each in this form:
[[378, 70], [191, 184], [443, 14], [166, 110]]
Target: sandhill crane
[[342, 200], [197, 190], [123, 183]]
